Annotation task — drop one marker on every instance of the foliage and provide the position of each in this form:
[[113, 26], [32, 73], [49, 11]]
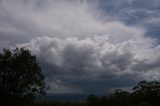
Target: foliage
[[92, 100], [21, 78], [144, 94], [148, 91]]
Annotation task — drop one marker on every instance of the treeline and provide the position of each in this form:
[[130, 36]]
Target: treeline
[[144, 94]]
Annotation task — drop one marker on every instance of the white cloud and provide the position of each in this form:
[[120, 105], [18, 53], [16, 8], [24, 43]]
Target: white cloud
[[152, 21], [97, 57], [52, 18]]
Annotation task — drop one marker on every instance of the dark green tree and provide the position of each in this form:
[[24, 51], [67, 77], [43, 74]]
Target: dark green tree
[[21, 78]]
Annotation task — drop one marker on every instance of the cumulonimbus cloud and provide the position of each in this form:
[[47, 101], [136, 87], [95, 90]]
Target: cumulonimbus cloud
[[97, 58], [77, 46], [95, 55]]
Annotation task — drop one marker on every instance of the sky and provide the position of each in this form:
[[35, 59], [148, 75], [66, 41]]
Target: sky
[[86, 46]]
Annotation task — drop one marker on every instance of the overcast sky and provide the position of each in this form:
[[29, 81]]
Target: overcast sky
[[86, 46]]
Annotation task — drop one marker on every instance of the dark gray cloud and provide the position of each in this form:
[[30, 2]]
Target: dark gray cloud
[[93, 63], [85, 46]]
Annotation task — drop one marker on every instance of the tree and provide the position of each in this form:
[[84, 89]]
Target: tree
[[148, 91], [21, 78], [144, 103], [92, 100], [104, 101], [118, 97]]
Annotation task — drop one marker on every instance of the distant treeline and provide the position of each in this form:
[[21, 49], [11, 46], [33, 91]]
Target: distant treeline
[[144, 94]]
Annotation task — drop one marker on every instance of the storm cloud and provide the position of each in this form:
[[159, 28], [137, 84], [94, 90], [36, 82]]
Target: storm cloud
[[97, 58], [84, 47]]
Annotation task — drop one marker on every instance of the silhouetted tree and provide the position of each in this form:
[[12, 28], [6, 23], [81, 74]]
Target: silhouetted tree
[[21, 78], [148, 91], [104, 101], [118, 97], [144, 103], [92, 100]]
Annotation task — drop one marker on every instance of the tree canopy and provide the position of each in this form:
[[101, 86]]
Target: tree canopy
[[21, 77], [145, 93]]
